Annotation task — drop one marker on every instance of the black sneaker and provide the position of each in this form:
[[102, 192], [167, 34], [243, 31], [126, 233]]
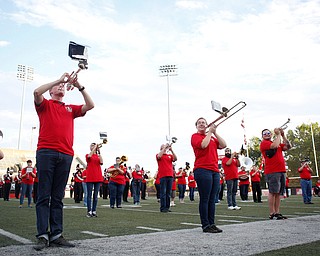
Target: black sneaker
[[61, 242], [94, 214], [41, 244], [89, 215], [279, 216], [216, 229]]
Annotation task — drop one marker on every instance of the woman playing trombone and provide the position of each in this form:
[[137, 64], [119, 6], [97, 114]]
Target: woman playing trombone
[[206, 171]]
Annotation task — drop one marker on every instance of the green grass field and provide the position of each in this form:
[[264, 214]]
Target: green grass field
[[136, 220]]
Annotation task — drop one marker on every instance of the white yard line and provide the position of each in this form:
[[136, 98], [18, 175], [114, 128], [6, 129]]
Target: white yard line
[[93, 233], [15, 237], [148, 228], [191, 224]]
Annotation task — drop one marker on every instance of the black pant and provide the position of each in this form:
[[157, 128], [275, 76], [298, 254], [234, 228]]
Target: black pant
[[77, 192], [221, 191], [126, 192], [256, 191], [17, 188], [244, 192], [105, 190], [143, 190], [7, 187]]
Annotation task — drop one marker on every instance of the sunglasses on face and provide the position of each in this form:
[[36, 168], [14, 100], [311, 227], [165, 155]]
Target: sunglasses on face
[[266, 133]]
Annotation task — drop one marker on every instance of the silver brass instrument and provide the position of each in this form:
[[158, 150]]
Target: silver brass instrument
[[173, 140], [77, 52], [1, 135], [225, 112], [116, 165], [103, 137], [246, 162], [285, 126]]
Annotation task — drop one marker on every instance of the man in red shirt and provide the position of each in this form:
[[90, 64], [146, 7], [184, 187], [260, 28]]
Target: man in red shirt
[[275, 168], [182, 183], [54, 156], [165, 158], [192, 185], [230, 164], [27, 175], [137, 176], [305, 172]]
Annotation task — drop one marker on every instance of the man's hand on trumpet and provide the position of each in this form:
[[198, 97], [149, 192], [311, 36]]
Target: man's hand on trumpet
[[212, 128]]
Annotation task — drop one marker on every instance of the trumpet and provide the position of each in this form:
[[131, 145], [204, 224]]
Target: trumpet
[[285, 126], [225, 111], [173, 140], [104, 141]]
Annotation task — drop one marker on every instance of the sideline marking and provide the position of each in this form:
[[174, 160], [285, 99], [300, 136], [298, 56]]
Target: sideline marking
[[15, 237], [93, 233], [234, 221], [190, 224], [153, 229]]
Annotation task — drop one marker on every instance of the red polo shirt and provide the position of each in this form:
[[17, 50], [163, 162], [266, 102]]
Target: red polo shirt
[[56, 125]]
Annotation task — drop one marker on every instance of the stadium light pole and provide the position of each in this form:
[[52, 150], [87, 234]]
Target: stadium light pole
[[168, 70], [26, 75]]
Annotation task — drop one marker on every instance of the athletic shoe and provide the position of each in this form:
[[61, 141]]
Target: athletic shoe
[[236, 208], [230, 208], [61, 242], [279, 216], [112, 206], [41, 244], [94, 214], [89, 215], [119, 206], [216, 229]]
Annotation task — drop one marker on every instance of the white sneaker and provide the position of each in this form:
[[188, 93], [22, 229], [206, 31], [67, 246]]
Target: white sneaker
[[236, 208], [230, 207]]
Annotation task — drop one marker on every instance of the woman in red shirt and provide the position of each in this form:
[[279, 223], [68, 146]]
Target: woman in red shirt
[[206, 171], [93, 179]]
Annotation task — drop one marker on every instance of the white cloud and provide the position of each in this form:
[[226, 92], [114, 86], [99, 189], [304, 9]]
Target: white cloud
[[190, 4], [4, 43]]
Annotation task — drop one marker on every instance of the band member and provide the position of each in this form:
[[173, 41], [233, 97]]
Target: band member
[[105, 185], [192, 185], [316, 190], [206, 171], [230, 164], [255, 175], [127, 186], [222, 179], [93, 179], [54, 156], [173, 189], [145, 177], [305, 172], [137, 176], [275, 168], [27, 174], [7, 178], [182, 183], [78, 188], [244, 183], [157, 186], [116, 183], [165, 158], [17, 184]]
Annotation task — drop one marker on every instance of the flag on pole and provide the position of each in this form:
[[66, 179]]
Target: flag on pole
[[244, 131]]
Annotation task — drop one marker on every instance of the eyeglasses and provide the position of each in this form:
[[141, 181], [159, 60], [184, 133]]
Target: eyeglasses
[[266, 133]]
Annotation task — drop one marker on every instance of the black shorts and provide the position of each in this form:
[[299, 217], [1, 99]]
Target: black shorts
[[276, 182]]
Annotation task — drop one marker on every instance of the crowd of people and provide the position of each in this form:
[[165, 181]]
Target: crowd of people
[[47, 180]]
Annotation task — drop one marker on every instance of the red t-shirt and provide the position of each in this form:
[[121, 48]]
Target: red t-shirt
[[243, 182], [191, 181], [275, 163], [93, 171], [206, 158], [230, 171], [182, 179], [28, 179], [157, 181], [78, 177], [174, 185], [256, 177], [56, 125], [165, 168], [120, 178], [137, 175], [305, 174]]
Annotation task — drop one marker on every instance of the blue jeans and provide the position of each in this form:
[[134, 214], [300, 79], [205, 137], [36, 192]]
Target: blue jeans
[[116, 191], [191, 194], [136, 187], [232, 187], [208, 187], [53, 171], [306, 186], [165, 192], [96, 187], [182, 190], [26, 189], [85, 193]]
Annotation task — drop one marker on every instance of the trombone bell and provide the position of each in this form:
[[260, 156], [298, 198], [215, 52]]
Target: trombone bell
[[225, 113]]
